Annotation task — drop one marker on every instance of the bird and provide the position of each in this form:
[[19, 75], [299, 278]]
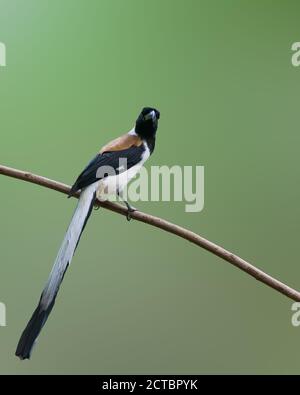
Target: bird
[[134, 149]]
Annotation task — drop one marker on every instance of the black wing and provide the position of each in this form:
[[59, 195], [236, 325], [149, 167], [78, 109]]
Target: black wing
[[132, 155]]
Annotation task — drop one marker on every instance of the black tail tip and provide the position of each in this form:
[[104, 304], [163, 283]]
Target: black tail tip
[[32, 331], [22, 357], [24, 351]]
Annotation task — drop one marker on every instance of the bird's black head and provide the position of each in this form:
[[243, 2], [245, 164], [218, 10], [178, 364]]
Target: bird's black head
[[147, 123]]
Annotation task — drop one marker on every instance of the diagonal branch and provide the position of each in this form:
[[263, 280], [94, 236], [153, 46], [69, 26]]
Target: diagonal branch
[[168, 227]]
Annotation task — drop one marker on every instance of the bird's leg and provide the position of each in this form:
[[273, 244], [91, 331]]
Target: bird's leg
[[130, 209], [96, 208]]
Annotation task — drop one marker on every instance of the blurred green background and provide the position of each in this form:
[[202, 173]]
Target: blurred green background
[[138, 300]]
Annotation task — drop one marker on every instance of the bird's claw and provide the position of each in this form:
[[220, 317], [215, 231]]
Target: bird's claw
[[129, 212]]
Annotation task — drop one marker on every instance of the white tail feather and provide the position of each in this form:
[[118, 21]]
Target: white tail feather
[[63, 259], [68, 247]]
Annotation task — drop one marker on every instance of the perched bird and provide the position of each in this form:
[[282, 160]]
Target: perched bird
[[131, 151]]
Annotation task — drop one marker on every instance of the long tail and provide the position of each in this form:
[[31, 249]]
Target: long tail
[[63, 259]]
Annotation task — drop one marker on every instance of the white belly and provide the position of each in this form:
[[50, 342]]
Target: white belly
[[111, 185]]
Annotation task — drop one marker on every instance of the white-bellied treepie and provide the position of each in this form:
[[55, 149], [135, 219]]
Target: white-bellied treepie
[[132, 150]]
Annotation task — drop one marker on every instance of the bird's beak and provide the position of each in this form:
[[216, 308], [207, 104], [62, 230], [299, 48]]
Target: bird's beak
[[151, 115]]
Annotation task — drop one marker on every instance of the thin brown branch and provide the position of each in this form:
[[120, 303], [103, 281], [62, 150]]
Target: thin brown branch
[[168, 227]]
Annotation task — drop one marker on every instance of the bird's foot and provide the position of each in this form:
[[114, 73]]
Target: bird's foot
[[130, 210]]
